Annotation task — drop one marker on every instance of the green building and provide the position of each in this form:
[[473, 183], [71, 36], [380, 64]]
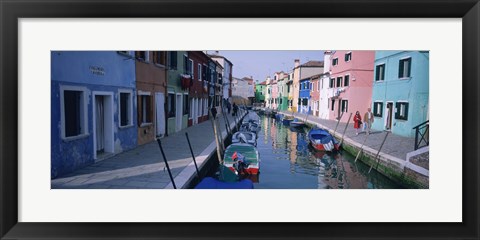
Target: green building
[[179, 69], [260, 92]]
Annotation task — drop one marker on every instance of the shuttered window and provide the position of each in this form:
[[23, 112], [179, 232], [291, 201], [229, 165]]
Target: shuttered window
[[172, 60], [378, 109], [346, 83], [332, 82], [339, 81], [404, 67], [348, 57], [401, 110], [380, 72]]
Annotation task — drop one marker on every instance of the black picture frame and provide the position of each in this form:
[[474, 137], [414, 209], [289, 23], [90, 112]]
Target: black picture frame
[[11, 11]]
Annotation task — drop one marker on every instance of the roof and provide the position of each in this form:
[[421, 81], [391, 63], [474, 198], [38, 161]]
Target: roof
[[312, 64], [263, 83], [219, 56]]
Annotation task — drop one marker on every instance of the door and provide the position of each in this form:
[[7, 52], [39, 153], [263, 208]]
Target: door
[[103, 132], [100, 124], [388, 122], [179, 113], [160, 114]]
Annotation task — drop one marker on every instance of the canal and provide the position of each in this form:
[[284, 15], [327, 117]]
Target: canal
[[289, 162]]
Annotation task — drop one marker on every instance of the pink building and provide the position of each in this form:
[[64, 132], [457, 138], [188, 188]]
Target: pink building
[[315, 94], [274, 98], [351, 83]]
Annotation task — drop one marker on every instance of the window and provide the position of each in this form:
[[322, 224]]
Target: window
[[299, 101], [344, 105], [348, 56], [404, 68], [142, 55], [172, 60], [200, 76], [205, 107], [378, 109], [339, 81], [144, 108], [74, 110], [346, 82], [380, 72], [305, 101], [335, 61], [171, 105], [159, 58], [185, 104], [401, 110], [125, 103], [333, 105], [190, 67], [332, 82], [204, 72]]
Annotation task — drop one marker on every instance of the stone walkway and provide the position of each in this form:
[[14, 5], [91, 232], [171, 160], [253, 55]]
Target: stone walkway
[[395, 145], [143, 167]]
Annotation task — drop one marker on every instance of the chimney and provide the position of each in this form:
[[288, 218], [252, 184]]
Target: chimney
[[326, 61], [297, 62]]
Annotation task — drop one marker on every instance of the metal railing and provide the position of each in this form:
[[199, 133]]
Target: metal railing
[[421, 135]]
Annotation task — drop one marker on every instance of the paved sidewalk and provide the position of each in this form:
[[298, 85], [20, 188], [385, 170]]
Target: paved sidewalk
[[395, 145], [143, 167]]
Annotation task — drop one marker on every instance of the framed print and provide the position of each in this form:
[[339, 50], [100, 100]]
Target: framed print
[[106, 108]]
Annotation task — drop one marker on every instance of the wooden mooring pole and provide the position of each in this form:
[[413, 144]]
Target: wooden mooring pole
[[166, 163], [344, 130], [338, 121], [376, 167], [361, 148], [193, 155]]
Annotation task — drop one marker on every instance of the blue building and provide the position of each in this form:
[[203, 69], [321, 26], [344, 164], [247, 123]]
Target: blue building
[[304, 96], [400, 91], [92, 107]]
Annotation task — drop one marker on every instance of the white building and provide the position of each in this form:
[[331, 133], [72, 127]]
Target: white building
[[325, 92], [243, 88], [226, 74]]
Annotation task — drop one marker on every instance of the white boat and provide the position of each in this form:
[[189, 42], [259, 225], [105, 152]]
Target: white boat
[[245, 137]]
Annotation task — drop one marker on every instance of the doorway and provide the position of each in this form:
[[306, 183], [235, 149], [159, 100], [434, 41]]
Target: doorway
[[160, 114], [388, 120], [179, 113], [103, 142]]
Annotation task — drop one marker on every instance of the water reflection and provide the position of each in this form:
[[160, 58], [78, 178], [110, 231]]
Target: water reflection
[[288, 161]]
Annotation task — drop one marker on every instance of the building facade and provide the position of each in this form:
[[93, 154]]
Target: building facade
[[226, 76], [304, 96], [400, 91], [93, 104], [301, 72], [178, 82], [351, 83], [150, 75], [315, 94], [260, 89], [198, 92], [326, 93]]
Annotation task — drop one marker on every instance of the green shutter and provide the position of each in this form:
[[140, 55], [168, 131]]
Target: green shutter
[[381, 109], [400, 69], [409, 67], [406, 111]]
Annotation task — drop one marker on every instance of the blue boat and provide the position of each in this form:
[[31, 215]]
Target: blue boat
[[297, 123], [213, 183], [322, 140]]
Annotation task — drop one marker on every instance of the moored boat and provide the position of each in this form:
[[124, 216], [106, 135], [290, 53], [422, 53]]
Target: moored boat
[[242, 158], [297, 123], [322, 140], [245, 137], [286, 120], [226, 179]]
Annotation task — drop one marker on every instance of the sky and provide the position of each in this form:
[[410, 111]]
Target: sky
[[261, 64]]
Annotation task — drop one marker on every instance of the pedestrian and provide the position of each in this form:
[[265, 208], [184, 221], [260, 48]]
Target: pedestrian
[[214, 112], [368, 120], [357, 122], [229, 107], [235, 109]]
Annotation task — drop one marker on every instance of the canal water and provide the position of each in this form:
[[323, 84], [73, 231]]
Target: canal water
[[289, 162]]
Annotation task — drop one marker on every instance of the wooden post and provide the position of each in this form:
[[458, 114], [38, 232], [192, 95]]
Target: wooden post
[[193, 155], [338, 121], [166, 163], [346, 126], [376, 167], [361, 148], [220, 159]]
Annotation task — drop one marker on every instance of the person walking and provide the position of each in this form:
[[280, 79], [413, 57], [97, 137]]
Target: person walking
[[214, 112], [368, 120], [357, 122], [235, 109]]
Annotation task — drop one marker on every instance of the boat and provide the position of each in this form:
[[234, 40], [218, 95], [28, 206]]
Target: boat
[[297, 123], [245, 137], [226, 179], [279, 116], [322, 140], [250, 158], [286, 120], [251, 117]]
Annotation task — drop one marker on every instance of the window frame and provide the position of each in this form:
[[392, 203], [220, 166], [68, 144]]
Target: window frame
[[344, 108], [398, 107], [377, 105], [140, 95], [169, 104], [335, 61], [402, 60], [377, 77], [349, 56], [345, 78], [147, 57], [130, 108], [83, 112]]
